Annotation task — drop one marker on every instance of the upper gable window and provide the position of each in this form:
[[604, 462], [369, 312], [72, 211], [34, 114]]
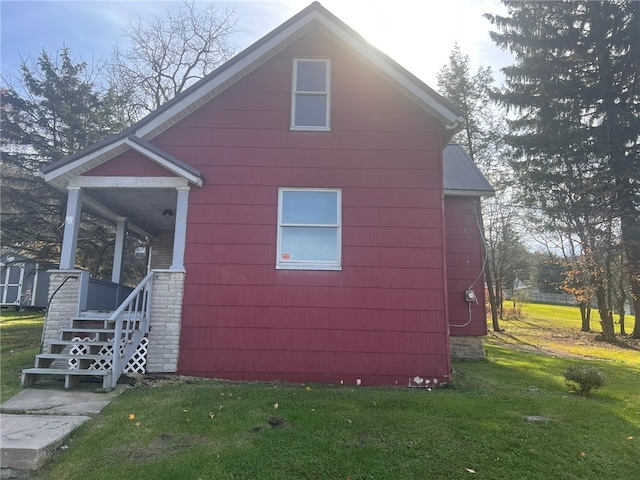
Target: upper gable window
[[310, 94]]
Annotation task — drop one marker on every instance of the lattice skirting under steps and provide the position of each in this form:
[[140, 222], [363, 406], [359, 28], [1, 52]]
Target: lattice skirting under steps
[[137, 364]]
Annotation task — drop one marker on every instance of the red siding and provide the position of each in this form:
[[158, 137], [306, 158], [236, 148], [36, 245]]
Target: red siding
[[383, 317], [464, 265], [130, 164]]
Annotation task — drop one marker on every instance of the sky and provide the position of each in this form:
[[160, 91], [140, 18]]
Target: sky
[[418, 34]]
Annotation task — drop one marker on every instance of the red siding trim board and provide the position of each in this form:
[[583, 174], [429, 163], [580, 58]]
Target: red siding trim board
[[130, 164], [383, 317]]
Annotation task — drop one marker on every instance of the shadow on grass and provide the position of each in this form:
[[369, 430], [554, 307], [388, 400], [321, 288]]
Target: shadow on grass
[[620, 342]]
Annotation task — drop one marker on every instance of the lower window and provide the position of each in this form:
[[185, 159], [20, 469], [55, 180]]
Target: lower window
[[309, 229]]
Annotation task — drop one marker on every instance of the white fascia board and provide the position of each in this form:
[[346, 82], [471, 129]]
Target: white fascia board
[[397, 76], [469, 193], [172, 167], [261, 54], [227, 75], [113, 148], [128, 182]]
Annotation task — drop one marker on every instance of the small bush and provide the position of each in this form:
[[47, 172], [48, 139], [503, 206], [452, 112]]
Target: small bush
[[583, 378]]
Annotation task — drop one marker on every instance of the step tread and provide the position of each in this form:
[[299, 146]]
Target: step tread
[[68, 356], [78, 342], [66, 371], [87, 330]]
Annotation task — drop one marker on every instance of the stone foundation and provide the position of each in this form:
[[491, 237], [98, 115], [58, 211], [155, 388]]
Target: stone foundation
[[466, 348], [166, 317]]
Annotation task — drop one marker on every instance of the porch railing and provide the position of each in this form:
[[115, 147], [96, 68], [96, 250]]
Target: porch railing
[[131, 320], [105, 295]]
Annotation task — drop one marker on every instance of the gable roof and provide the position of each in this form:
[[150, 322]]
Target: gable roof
[[312, 17], [462, 176], [86, 159]]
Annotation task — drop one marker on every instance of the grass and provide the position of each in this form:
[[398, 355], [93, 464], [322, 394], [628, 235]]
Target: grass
[[20, 337], [555, 329], [196, 428], [368, 433]]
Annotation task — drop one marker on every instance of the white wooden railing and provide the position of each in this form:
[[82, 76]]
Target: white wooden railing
[[131, 325]]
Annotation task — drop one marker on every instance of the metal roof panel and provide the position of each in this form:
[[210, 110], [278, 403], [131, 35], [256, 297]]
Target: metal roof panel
[[461, 174]]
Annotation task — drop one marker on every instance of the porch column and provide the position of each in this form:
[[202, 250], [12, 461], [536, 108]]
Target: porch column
[[180, 232], [118, 254], [71, 226]]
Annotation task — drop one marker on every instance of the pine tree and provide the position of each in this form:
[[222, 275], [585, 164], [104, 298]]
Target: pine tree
[[51, 111], [484, 124], [575, 95]]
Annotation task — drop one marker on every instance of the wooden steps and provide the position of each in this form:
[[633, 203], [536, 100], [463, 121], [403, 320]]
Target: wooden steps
[[71, 377], [95, 333]]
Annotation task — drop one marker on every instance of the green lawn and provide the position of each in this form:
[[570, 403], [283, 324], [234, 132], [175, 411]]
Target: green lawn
[[556, 329], [20, 337], [205, 429], [220, 430]]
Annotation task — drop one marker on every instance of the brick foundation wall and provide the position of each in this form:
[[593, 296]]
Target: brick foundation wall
[[166, 316], [466, 348], [65, 303]]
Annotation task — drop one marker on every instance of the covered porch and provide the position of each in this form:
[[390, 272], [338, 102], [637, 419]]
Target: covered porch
[[144, 192]]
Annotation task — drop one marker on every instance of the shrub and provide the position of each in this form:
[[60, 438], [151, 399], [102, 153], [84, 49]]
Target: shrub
[[584, 378]]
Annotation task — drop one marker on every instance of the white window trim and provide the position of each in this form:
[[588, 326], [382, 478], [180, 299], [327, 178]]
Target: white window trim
[[294, 93], [309, 264]]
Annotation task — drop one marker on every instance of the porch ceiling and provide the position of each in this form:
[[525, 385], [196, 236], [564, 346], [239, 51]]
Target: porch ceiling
[[143, 207]]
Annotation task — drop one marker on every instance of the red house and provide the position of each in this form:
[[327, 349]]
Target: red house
[[307, 221]]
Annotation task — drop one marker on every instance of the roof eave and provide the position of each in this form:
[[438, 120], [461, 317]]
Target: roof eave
[[259, 52], [469, 193], [246, 61], [79, 164]]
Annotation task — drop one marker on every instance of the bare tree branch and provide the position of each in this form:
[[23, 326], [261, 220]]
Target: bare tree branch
[[168, 54]]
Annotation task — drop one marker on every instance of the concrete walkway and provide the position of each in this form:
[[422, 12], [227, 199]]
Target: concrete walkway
[[36, 421]]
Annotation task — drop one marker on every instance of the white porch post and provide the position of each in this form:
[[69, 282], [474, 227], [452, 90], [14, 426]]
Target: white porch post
[[118, 254], [71, 226], [180, 232]]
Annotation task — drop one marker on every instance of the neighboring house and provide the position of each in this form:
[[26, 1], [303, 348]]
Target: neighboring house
[[303, 223]]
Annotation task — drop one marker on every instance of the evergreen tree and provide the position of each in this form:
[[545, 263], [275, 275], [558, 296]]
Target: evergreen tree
[[574, 93], [484, 125], [50, 112], [549, 272]]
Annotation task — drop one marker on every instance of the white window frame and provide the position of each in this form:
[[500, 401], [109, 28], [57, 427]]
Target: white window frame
[[295, 93], [287, 264]]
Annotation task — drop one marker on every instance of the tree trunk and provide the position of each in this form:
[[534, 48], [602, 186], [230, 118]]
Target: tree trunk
[[635, 295], [585, 316], [606, 318], [631, 241], [492, 298], [621, 298]]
